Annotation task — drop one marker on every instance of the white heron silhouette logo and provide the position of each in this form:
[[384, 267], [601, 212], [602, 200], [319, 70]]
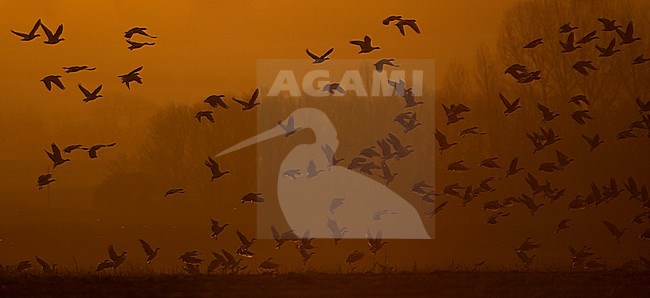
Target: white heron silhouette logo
[[333, 201]]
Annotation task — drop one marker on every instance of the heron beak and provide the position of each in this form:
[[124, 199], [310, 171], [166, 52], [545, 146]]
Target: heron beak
[[271, 133]]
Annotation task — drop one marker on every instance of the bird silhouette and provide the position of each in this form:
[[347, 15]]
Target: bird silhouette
[[56, 157], [280, 239], [133, 76], [117, 259], [410, 23], [579, 99], [137, 30], [216, 229], [594, 141], [580, 116], [77, 68], [589, 37], [44, 180], [31, 35], [216, 101], [569, 46], [566, 28], [379, 65], [609, 51], [365, 45], [252, 197], [563, 225], [53, 79], [533, 44], [609, 25], [174, 191], [47, 269], [614, 230], [92, 151], [151, 253], [90, 96], [547, 113], [53, 38], [214, 168], [133, 45], [627, 36], [204, 114], [582, 66], [321, 58], [289, 128], [390, 19], [510, 107], [251, 103], [442, 141], [71, 148], [640, 60], [331, 87]]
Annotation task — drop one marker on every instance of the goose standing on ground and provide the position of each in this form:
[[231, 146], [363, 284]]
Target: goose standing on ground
[[216, 101], [55, 156], [320, 59], [31, 35], [133, 76], [214, 168], [137, 30], [365, 45], [411, 23], [53, 79], [251, 103], [53, 38], [90, 96], [92, 151], [150, 252]]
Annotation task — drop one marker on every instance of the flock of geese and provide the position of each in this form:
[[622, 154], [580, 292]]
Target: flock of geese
[[392, 148]]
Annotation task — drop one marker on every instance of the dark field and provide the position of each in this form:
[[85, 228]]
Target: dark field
[[437, 284]]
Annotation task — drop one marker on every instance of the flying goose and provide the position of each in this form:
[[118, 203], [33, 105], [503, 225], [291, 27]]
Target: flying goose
[[319, 59], [137, 30], [379, 65], [53, 38], [53, 79], [214, 168], [151, 253], [31, 35], [251, 103], [133, 76], [216, 101], [216, 229], [90, 96], [510, 107], [365, 45], [627, 37], [411, 23], [204, 114], [55, 156], [136, 45], [533, 44], [92, 151]]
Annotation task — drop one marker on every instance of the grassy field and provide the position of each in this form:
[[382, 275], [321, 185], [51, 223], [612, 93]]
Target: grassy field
[[436, 284]]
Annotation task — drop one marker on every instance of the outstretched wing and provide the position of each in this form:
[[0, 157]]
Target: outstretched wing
[[327, 53], [135, 70], [311, 54], [84, 91], [146, 247], [111, 253]]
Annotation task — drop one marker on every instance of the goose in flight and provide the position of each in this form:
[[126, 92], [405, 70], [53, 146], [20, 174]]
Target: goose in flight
[[563, 225], [579, 99], [336, 203], [174, 191], [549, 167], [31, 35], [251, 103], [44, 180], [47, 269], [304, 254], [589, 37], [594, 141], [510, 107], [365, 45], [117, 259], [133, 76], [329, 154], [528, 261], [566, 28], [191, 269], [582, 66], [245, 243], [76, 68], [292, 174], [252, 197], [375, 243], [569, 46], [336, 232], [53, 79], [216, 101], [377, 215], [547, 113], [354, 257], [289, 128], [53, 38], [320, 59], [214, 168], [90, 96], [528, 245], [386, 173], [411, 23], [419, 188], [438, 208], [492, 219], [204, 114], [280, 239], [190, 257], [55, 156], [471, 131], [492, 205], [609, 50], [609, 25], [640, 60], [513, 169], [626, 134], [580, 116], [390, 19], [92, 151], [490, 163], [379, 65], [442, 141], [562, 159], [106, 264], [533, 44], [457, 166], [216, 229], [409, 98], [333, 87], [137, 30], [398, 86], [311, 170], [151, 253], [268, 265], [614, 230], [530, 204], [136, 45], [627, 36]]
